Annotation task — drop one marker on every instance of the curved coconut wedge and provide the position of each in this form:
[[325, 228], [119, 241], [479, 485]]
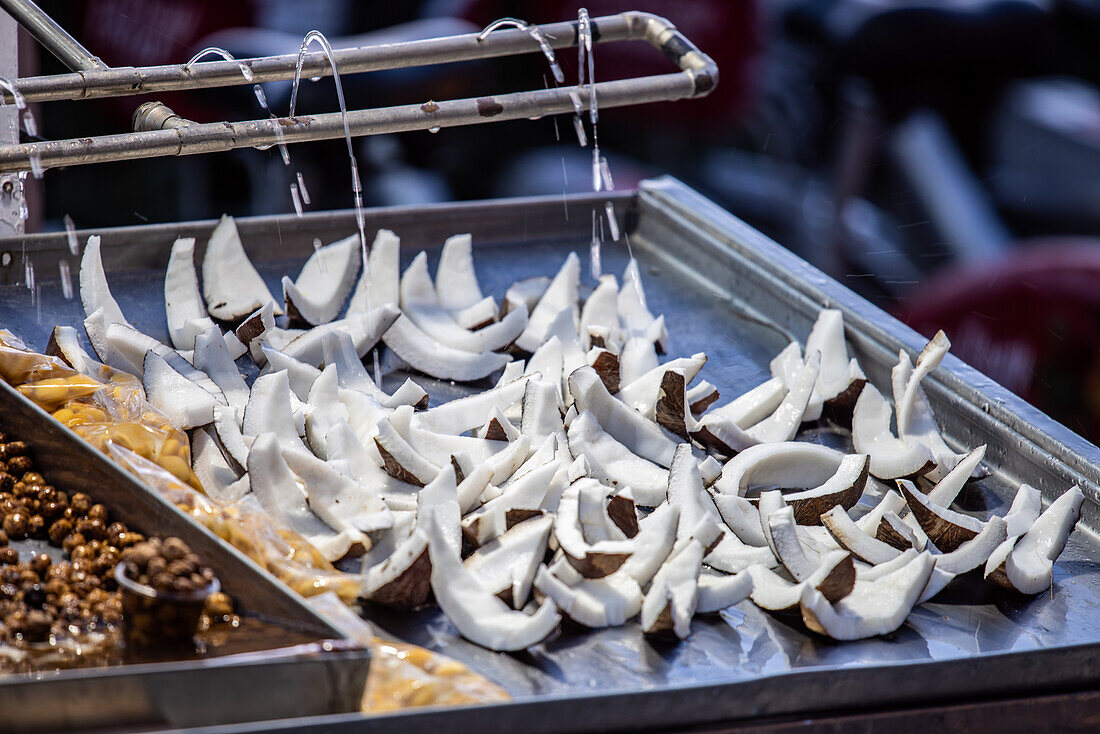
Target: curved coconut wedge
[[465, 414], [721, 435], [186, 404], [182, 299], [672, 410], [403, 580], [65, 344], [337, 499], [365, 330], [455, 277], [637, 358], [365, 466], [94, 292], [783, 539], [339, 350], [592, 603], [643, 393], [277, 490], [522, 499], [300, 374], [718, 591], [634, 315], [791, 465], [439, 448], [834, 578], [526, 291], [893, 531], [873, 608], [498, 428], [1024, 511], [479, 315], [1029, 567], [540, 413], [891, 502], [218, 478], [752, 407], [601, 311], [742, 517], [96, 327], [946, 528], [784, 422], [627, 426], [948, 488], [230, 284], [324, 282], [506, 566], [326, 410], [438, 502], [228, 430], [844, 488], [212, 357], [966, 557], [701, 397], [592, 560], [378, 284], [400, 460], [427, 355], [891, 457], [614, 464], [478, 614], [420, 303], [670, 602], [560, 294], [269, 410], [849, 535], [130, 345], [841, 379]]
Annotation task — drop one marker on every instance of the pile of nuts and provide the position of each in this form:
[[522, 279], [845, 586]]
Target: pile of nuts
[[167, 566]]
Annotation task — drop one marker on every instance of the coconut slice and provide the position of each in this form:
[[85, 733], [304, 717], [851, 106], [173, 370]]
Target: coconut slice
[[548, 361], [701, 397], [456, 279], [783, 540], [891, 502], [752, 407], [540, 414], [721, 435], [65, 344], [634, 315], [212, 357], [182, 298], [218, 478], [498, 428], [378, 284], [324, 283], [788, 465], [269, 409], [1024, 511], [1029, 567], [653, 543], [523, 497], [974, 552], [561, 293], [420, 302], [438, 503], [506, 566], [849, 535], [94, 291], [478, 315], [593, 603], [784, 422], [891, 457], [300, 374], [403, 580], [277, 490], [431, 357], [841, 379], [230, 284], [325, 411], [873, 608], [670, 602], [893, 531], [365, 330], [946, 528], [643, 393], [365, 466], [339, 350], [601, 310], [478, 614], [400, 460], [948, 488], [592, 560], [96, 327], [637, 357], [623, 512], [464, 414], [257, 329], [527, 291], [834, 578], [742, 517], [228, 430], [335, 498], [844, 488], [627, 426], [185, 404], [718, 591], [602, 337]]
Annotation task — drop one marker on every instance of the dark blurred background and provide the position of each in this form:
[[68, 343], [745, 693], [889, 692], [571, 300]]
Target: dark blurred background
[[942, 157]]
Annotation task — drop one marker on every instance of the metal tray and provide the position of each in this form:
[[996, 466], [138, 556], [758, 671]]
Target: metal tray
[[726, 290]]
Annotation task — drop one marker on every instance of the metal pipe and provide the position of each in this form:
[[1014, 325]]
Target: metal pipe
[[222, 136], [53, 37]]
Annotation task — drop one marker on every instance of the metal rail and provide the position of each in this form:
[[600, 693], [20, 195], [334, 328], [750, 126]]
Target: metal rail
[[52, 36], [697, 76]]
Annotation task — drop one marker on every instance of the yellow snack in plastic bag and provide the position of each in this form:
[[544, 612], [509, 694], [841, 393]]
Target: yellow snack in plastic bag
[[53, 392]]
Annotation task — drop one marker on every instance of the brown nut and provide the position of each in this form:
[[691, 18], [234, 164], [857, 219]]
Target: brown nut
[[156, 565], [36, 526], [81, 503], [99, 512], [60, 530], [51, 510], [174, 548], [12, 449], [40, 563], [181, 567], [7, 482], [16, 525], [32, 477], [20, 465]]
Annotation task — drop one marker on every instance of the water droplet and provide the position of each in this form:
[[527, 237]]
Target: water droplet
[[302, 189], [70, 233], [246, 71], [594, 263], [214, 51], [297, 200], [612, 222], [66, 279], [260, 96], [36, 164], [29, 124], [597, 180], [433, 130], [315, 79], [377, 369], [605, 174], [578, 125]]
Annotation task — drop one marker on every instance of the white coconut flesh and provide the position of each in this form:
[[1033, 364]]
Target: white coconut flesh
[[478, 315], [498, 427], [730, 555], [891, 502], [947, 489], [65, 343], [401, 460], [742, 517], [300, 374], [527, 291], [787, 465], [325, 409], [784, 422], [916, 421], [1029, 568], [700, 397], [548, 361], [595, 519], [230, 284], [324, 283], [637, 358], [455, 277], [365, 465], [428, 355], [634, 314], [563, 292], [540, 412], [227, 427], [601, 309], [440, 447], [974, 552], [946, 528], [653, 543], [641, 436], [594, 603], [1024, 511], [686, 493], [95, 326], [94, 291], [212, 469], [495, 516], [213, 358], [269, 409], [892, 530], [337, 499], [464, 414], [873, 608], [438, 503], [506, 566], [838, 372], [670, 603], [278, 491], [643, 392], [891, 457], [182, 298], [718, 591], [478, 614], [403, 579], [593, 560], [564, 329], [614, 464], [185, 404], [365, 330], [378, 284], [258, 329], [420, 302], [772, 592], [863, 546], [784, 543]]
